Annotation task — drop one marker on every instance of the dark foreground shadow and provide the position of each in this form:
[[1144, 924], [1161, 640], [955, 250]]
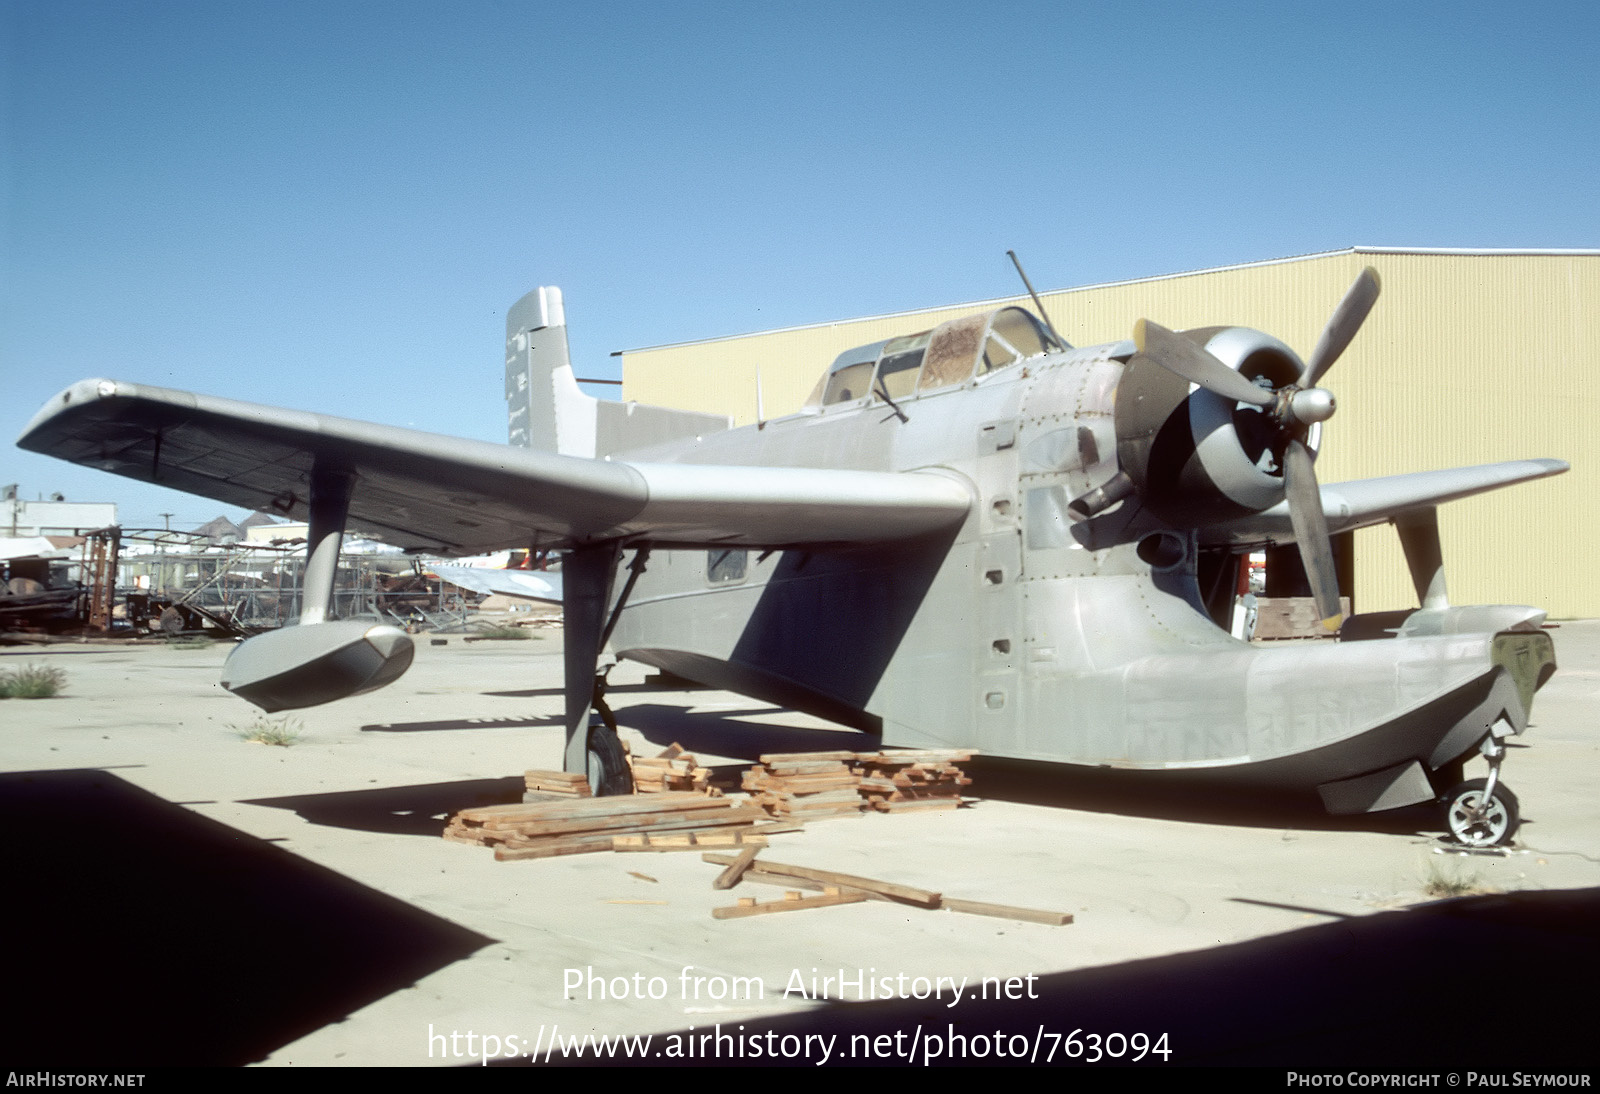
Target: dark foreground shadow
[[144, 935], [1479, 983]]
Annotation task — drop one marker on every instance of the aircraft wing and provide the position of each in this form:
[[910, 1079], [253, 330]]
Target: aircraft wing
[[1364, 502], [461, 497]]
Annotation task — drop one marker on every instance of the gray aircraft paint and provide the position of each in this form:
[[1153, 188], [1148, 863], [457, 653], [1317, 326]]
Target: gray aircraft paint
[[920, 570]]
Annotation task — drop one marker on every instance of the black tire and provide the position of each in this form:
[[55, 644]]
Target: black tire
[[607, 765], [1471, 825]]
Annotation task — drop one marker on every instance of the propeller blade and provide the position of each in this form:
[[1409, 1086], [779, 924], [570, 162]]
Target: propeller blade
[[1342, 326], [1177, 354], [1311, 531]]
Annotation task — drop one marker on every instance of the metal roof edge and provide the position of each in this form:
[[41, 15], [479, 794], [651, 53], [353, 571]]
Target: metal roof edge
[[1554, 252]]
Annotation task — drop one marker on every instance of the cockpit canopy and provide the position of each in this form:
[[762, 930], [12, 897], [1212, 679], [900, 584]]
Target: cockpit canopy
[[951, 353]]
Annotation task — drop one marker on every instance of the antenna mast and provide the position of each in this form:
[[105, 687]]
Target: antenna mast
[[1042, 313]]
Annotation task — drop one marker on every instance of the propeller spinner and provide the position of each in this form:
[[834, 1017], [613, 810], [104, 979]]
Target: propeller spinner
[[1293, 409]]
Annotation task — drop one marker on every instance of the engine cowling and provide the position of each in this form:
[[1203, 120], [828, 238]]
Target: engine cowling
[[1195, 457]]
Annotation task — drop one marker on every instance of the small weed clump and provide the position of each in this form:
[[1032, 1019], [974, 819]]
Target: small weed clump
[[32, 682], [511, 634], [1443, 884], [283, 731]]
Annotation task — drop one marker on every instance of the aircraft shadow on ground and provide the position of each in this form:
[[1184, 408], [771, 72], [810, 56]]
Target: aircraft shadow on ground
[[1490, 982], [145, 935], [1161, 797], [451, 724], [611, 689], [417, 810], [728, 733], [731, 733]]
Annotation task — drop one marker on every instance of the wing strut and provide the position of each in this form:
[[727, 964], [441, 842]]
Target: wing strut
[[1419, 538], [330, 505], [318, 661]]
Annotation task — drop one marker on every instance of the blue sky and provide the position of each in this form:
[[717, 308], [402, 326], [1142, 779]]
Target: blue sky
[[330, 205]]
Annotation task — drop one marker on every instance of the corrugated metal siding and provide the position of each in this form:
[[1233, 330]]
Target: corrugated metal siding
[[1467, 359]]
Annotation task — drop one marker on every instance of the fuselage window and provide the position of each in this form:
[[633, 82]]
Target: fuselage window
[[996, 354], [1020, 331], [898, 374], [897, 371], [847, 384], [725, 565], [951, 351]]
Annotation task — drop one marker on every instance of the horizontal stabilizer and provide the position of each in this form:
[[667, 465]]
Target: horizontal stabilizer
[[524, 584], [1365, 502]]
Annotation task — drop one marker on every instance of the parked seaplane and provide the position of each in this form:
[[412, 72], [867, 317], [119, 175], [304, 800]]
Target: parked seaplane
[[973, 536]]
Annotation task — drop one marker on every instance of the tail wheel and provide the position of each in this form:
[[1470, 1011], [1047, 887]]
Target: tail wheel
[[1479, 820]]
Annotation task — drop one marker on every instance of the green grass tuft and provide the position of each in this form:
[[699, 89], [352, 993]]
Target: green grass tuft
[[282, 731], [32, 682]]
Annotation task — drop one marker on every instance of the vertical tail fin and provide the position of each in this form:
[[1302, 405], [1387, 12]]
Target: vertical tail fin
[[548, 411]]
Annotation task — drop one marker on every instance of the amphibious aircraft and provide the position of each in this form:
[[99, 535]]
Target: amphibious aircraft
[[975, 535]]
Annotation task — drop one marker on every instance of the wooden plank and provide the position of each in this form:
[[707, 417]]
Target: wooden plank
[[919, 755], [969, 907], [567, 778], [917, 806], [773, 758], [586, 807], [905, 894], [1008, 911], [799, 903], [723, 821], [701, 842], [709, 818], [730, 877], [701, 806], [552, 848]]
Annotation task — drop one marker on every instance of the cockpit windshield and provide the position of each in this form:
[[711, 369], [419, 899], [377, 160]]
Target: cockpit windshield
[[951, 353]]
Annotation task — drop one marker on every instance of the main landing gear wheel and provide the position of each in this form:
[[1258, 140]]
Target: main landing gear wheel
[[1476, 819], [605, 763]]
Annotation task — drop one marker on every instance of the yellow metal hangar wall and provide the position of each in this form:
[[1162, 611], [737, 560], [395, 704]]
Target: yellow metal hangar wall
[[1469, 357]]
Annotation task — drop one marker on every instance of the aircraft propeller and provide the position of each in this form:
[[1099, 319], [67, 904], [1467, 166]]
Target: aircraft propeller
[[1293, 408]]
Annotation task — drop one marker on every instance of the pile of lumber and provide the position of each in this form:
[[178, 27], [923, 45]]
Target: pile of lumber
[[550, 828], [803, 785], [673, 769], [905, 779]]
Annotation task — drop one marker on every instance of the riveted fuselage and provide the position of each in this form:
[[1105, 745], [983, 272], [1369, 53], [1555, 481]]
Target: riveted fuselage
[[1030, 632]]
